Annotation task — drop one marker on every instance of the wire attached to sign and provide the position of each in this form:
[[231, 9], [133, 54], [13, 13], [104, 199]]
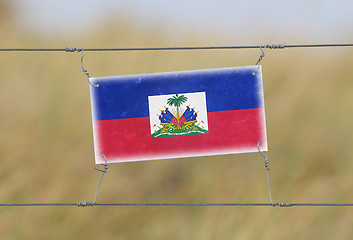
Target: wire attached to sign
[[68, 49], [105, 164], [85, 71], [263, 49], [263, 154], [260, 59], [89, 204]]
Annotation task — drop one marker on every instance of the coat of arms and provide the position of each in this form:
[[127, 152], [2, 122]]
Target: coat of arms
[[179, 117]]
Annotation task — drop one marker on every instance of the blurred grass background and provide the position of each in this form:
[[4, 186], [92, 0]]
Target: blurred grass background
[[46, 144]]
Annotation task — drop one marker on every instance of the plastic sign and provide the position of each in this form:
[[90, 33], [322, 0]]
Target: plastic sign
[[178, 114]]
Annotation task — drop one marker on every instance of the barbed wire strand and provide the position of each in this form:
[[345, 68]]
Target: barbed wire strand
[[270, 46]]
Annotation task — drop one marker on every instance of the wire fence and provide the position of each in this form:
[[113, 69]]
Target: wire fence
[[262, 47]]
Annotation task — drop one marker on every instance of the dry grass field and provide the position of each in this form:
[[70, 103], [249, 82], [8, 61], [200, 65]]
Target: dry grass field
[[46, 145]]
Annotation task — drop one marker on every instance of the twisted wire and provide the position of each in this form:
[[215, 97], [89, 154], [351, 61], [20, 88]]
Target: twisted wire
[[105, 164], [263, 154], [82, 67]]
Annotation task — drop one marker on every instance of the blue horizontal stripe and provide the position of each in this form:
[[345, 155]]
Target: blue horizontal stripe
[[127, 96]]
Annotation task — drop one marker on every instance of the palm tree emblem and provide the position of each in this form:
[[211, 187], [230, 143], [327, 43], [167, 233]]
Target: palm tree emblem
[[177, 101]]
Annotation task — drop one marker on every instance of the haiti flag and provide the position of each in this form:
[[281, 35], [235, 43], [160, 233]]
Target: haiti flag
[[178, 114]]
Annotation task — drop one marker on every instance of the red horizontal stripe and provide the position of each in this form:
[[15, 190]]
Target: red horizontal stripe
[[229, 132]]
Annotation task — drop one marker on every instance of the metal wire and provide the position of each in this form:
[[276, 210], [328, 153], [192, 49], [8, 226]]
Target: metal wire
[[87, 204], [82, 67], [259, 62], [35, 204], [105, 164], [263, 154], [270, 46]]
